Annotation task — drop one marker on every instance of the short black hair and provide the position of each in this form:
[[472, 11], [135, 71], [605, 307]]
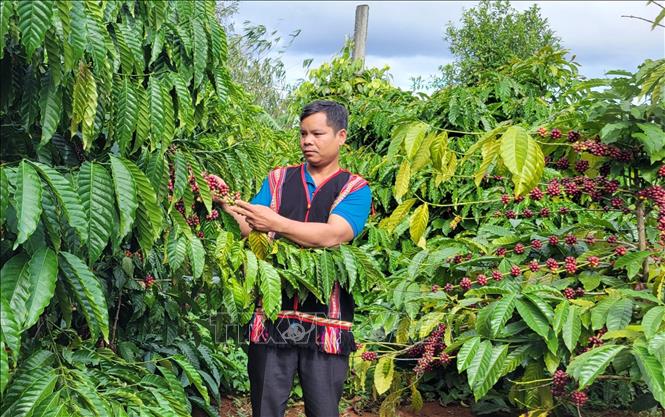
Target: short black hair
[[337, 116]]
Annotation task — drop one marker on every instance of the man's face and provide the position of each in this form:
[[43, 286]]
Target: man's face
[[318, 142]]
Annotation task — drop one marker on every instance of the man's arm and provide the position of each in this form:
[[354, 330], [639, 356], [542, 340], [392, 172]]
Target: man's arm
[[308, 234]]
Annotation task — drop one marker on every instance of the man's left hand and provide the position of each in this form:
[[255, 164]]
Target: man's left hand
[[258, 217]]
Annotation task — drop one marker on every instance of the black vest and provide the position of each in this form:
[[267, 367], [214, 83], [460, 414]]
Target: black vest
[[294, 206]]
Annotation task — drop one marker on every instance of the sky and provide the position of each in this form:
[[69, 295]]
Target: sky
[[408, 35]]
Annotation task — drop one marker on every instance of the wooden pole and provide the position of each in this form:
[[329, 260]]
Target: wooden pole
[[360, 32]]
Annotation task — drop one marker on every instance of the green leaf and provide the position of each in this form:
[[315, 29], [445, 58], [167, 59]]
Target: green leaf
[[88, 293], [490, 152], [251, 271], [516, 357], [652, 321], [259, 243], [30, 392], [15, 285], [383, 374], [422, 155], [418, 224], [169, 116], [413, 137], [572, 329], [196, 256], [126, 110], [587, 366], [125, 194], [618, 317], [503, 311], [489, 375], [611, 132], [96, 191], [270, 285], [402, 180], [50, 109], [632, 262], [84, 106], [523, 158], [652, 373], [10, 330], [42, 273], [533, 318], [149, 213], [4, 364], [180, 171], [6, 12], [350, 265], [600, 311], [199, 50], [4, 191], [429, 322], [34, 19], [156, 111], [192, 375], [185, 107], [561, 313], [326, 273], [27, 202], [466, 353], [652, 137], [397, 216], [480, 363], [68, 200]]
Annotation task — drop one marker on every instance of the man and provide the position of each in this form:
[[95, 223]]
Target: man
[[316, 205]]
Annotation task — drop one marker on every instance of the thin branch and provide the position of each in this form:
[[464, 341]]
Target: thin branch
[[646, 20], [657, 4], [115, 322]]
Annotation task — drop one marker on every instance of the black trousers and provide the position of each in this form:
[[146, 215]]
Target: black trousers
[[271, 372]]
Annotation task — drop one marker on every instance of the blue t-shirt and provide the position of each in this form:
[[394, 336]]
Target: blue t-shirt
[[354, 208]]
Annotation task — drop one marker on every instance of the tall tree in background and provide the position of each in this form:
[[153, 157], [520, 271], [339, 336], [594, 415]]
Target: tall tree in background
[[490, 35]]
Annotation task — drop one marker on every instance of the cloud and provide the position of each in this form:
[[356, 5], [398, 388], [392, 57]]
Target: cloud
[[408, 36]]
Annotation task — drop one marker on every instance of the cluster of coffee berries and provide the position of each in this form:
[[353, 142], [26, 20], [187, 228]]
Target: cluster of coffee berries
[[369, 356], [536, 194], [193, 220], [570, 264], [594, 261], [515, 271], [656, 194], [570, 240], [149, 280], [465, 284], [661, 171], [620, 250], [559, 381], [214, 214], [596, 148], [552, 264], [579, 398], [534, 265], [481, 280], [216, 185], [597, 339], [572, 293], [433, 346]]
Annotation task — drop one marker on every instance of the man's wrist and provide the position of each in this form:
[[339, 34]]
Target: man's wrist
[[281, 225]]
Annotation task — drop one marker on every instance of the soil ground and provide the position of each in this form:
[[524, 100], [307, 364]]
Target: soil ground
[[240, 407]]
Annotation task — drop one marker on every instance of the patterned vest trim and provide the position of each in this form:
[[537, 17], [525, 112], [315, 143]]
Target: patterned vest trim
[[310, 323]]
